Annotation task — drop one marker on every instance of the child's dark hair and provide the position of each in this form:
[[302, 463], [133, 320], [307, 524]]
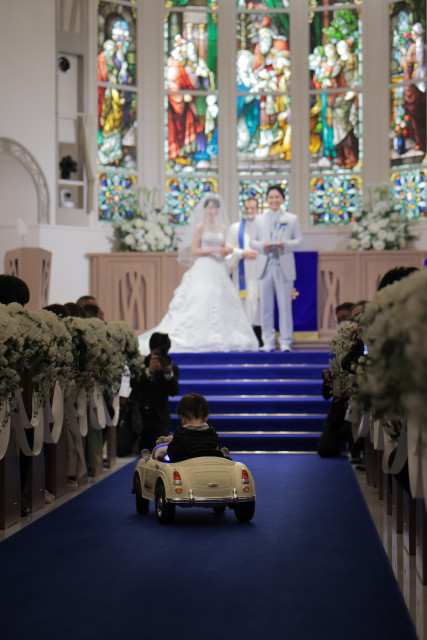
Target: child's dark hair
[[193, 405]]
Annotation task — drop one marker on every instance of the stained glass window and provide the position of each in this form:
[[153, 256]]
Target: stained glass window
[[263, 77], [335, 198], [409, 193], [263, 4], [116, 195], [183, 194], [408, 83], [335, 118], [191, 104], [117, 100], [408, 135]]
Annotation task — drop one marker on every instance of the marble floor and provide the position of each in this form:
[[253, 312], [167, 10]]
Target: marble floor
[[404, 568]]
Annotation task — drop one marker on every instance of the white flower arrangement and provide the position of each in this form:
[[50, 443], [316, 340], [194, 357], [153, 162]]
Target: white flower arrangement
[[51, 349], [378, 227], [126, 344], [36, 343], [342, 381], [392, 381], [147, 228], [11, 345], [86, 351]]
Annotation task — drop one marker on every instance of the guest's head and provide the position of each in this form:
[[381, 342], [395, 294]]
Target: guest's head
[[93, 311], [58, 309], [393, 275], [83, 300], [74, 310], [13, 289], [90, 301], [343, 311]]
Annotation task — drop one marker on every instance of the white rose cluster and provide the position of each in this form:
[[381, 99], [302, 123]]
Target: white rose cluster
[[379, 229], [65, 350], [145, 229], [392, 379]]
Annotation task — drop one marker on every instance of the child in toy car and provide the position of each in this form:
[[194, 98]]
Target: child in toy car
[[194, 434]]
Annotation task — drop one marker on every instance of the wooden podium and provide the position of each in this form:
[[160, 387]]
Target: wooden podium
[[31, 264]]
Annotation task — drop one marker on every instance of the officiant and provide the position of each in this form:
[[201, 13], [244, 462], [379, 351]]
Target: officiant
[[275, 235]]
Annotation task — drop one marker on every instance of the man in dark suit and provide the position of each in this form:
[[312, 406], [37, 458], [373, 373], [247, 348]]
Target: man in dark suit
[[151, 393]]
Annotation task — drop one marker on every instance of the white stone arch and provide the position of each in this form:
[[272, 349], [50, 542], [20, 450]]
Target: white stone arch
[[20, 153]]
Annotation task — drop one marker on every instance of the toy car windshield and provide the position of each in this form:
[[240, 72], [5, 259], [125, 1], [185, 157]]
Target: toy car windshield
[[160, 453]]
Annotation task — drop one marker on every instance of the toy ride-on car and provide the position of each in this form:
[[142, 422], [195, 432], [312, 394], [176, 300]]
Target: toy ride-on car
[[207, 479]]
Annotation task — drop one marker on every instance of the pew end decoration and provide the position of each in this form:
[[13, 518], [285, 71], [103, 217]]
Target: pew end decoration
[[68, 362], [392, 378]]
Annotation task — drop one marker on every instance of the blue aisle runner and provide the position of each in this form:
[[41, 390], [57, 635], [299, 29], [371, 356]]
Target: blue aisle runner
[[310, 566]]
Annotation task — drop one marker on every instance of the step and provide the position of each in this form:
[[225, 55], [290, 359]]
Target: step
[[262, 404], [269, 442], [251, 371], [262, 422], [253, 357], [251, 387]]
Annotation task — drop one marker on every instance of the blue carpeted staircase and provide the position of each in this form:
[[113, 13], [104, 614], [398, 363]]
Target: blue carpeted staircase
[[258, 401]]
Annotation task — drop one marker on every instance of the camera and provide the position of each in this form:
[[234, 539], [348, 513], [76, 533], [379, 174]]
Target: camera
[[165, 361], [356, 351]]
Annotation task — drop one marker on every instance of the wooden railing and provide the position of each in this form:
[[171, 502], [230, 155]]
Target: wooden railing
[[137, 287]]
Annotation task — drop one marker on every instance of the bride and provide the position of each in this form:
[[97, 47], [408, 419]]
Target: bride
[[205, 313]]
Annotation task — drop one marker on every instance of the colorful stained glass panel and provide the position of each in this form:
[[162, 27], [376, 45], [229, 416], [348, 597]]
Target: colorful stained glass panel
[[263, 53], [263, 133], [183, 194], [190, 51], [116, 43], [117, 129], [408, 135], [409, 193], [117, 195], [335, 131], [334, 198], [192, 133], [263, 4]]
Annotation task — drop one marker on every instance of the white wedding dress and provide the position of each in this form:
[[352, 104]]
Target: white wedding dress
[[205, 313]]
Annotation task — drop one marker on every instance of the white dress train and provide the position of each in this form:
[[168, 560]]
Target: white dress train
[[205, 313]]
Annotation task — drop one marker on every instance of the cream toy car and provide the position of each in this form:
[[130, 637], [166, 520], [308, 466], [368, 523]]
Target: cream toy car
[[208, 480]]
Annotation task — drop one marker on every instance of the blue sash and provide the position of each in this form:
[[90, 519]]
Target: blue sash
[[242, 281]]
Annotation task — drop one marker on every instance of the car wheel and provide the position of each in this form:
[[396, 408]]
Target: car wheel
[[219, 509], [142, 504], [245, 511], [165, 511]]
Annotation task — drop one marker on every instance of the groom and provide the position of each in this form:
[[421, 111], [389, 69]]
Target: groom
[[275, 235]]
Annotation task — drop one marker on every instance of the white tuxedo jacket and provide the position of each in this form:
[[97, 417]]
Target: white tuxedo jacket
[[289, 232]]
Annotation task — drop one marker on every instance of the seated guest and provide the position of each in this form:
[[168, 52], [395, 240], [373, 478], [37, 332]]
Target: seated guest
[[194, 434], [13, 289]]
